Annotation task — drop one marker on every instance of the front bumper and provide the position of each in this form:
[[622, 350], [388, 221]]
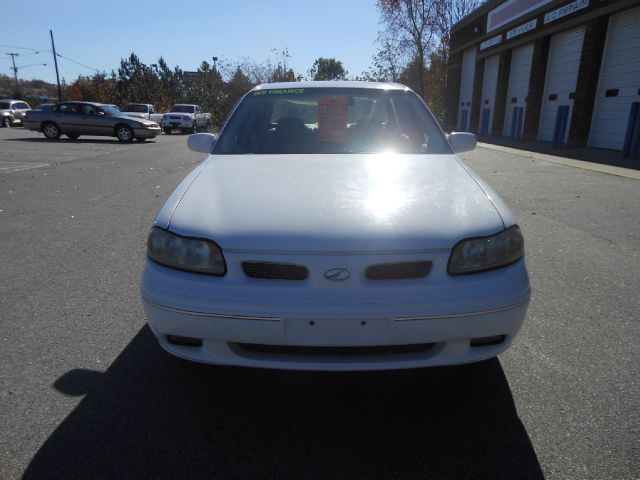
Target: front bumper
[[257, 317], [147, 132], [176, 123]]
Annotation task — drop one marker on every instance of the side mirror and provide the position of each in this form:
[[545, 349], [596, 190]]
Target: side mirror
[[201, 142], [462, 141]]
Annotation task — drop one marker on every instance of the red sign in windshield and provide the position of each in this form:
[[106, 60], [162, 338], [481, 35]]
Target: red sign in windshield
[[332, 119]]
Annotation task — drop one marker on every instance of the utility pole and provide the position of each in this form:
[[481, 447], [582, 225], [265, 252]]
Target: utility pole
[[55, 61], [15, 70]]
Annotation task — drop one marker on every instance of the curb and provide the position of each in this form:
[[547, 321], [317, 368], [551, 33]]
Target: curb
[[569, 162]]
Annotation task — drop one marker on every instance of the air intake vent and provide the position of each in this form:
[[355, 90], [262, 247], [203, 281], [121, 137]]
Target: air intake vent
[[336, 351], [275, 271], [398, 271]]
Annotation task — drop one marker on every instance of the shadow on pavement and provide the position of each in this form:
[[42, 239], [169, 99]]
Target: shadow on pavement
[[152, 416]]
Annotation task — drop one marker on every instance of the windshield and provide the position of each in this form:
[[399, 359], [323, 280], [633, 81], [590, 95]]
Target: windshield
[[136, 108], [109, 110], [183, 108], [331, 120]]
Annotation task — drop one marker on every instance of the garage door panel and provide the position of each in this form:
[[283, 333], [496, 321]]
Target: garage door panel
[[466, 88], [623, 69], [489, 86], [518, 83], [620, 69], [628, 30], [563, 66]]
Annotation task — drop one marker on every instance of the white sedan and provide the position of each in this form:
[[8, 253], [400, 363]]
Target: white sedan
[[332, 227]]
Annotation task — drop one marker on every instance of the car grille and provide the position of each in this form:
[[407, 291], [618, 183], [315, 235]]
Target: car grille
[[381, 271], [174, 117], [335, 351], [398, 271], [275, 271]]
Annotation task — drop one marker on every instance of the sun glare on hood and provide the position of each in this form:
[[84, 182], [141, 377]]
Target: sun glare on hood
[[388, 180]]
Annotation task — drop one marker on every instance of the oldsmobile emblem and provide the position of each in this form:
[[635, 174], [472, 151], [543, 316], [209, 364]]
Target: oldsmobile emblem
[[337, 274]]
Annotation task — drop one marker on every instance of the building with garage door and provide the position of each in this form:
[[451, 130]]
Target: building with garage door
[[565, 72]]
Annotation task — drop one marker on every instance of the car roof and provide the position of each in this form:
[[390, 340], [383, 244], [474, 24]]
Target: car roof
[[332, 84], [96, 104]]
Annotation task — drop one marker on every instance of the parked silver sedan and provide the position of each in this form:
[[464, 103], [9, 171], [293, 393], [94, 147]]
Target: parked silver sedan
[[86, 118]]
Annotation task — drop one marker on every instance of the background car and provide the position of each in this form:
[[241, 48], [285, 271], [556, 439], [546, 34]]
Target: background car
[[187, 118], [44, 106], [142, 110], [12, 112], [332, 227], [86, 118]]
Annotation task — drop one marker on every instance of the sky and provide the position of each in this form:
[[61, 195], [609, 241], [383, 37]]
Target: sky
[[98, 34]]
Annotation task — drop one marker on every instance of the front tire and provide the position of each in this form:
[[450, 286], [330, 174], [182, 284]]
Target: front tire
[[51, 131], [6, 122], [124, 133]]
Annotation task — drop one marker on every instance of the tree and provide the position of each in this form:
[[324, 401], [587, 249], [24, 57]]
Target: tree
[[137, 82], [448, 13], [235, 88], [416, 38], [385, 65], [410, 27], [327, 69]]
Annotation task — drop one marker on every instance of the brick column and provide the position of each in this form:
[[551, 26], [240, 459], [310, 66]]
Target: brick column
[[536, 88], [504, 69], [476, 99], [590, 60]]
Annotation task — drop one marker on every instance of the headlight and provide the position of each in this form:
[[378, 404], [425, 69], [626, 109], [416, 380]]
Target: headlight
[[185, 253], [486, 253]]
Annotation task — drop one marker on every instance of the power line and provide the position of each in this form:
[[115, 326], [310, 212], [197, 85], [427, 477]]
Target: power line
[[25, 48], [25, 54], [74, 55], [81, 64]]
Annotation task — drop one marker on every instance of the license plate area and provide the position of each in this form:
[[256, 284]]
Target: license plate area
[[338, 332]]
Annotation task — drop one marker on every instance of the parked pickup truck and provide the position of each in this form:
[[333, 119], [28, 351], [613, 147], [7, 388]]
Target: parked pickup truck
[[187, 118], [142, 110]]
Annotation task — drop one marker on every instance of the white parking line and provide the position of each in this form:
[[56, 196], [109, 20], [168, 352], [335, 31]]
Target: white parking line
[[20, 166]]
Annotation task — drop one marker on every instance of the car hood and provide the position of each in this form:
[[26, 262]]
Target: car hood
[[136, 114], [142, 121], [331, 203]]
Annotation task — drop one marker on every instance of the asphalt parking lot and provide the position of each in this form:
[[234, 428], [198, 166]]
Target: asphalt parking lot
[[85, 392]]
